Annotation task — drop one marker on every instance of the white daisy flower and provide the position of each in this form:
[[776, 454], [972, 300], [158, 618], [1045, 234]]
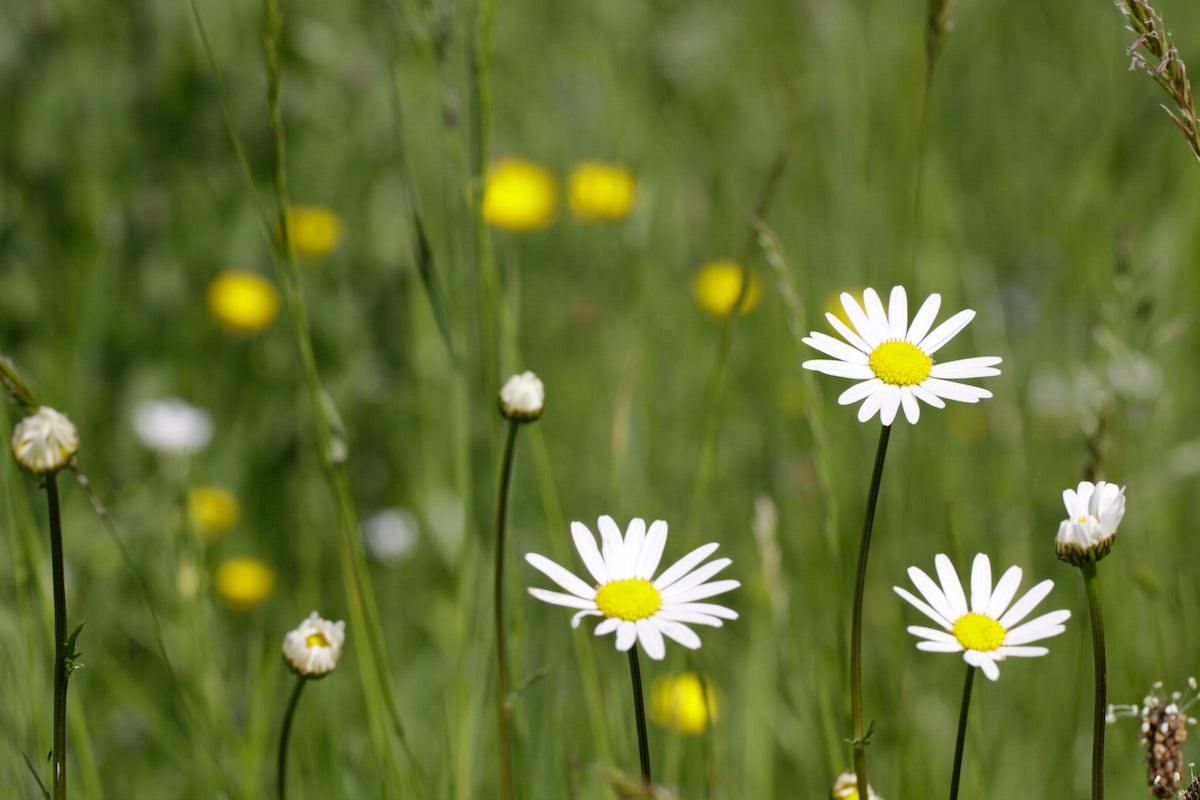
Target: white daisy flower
[[983, 632], [1093, 513], [45, 441], [633, 603], [522, 397], [894, 360], [314, 649], [172, 426]]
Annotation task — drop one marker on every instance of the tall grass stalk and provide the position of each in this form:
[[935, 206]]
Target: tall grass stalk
[[62, 670], [285, 734], [364, 615], [503, 700]]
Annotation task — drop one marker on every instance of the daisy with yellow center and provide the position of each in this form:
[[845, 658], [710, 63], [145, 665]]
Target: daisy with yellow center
[[893, 360], [986, 632], [314, 648], [634, 604]]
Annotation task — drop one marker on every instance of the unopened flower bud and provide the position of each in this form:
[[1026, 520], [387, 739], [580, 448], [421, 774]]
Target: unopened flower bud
[[45, 441]]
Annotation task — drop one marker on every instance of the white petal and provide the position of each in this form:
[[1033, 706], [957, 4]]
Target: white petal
[[695, 617], [898, 313], [587, 612], [961, 392], [871, 405], [651, 638], [626, 635], [926, 396], [930, 646], [832, 347], [608, 625], [680, 633], [839, 369], [924, 319], [984, 661], [858, 391], [652, 549], [951, 586], [694, 578], [870, 334], [924, 607], [585, 543], [684, 565], [1021, 652], [1026, 604], [874, 308], [1006, 590], [981, 584], [908, 400], [1042, 627], [935, 635], [889, 403], [560, 599], [847, 332], [945, 332], [613, 549], [934, 596], [981, 367], [702, 608], [561, 575], [705, 590], [635, 538]]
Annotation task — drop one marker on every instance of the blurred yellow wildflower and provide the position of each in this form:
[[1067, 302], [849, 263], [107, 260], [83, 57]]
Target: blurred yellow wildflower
[[717, 286], [684, 702], [597, 190], [519, 195], [244, 583], [212, 510], [833, 304], [314, 230], [242, 301]]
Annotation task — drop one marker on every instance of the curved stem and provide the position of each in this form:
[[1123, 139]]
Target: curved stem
[[285, 733], [639, 710], [962, 732], [860, 580], [502, 698], [60, 639], [1092, 584]]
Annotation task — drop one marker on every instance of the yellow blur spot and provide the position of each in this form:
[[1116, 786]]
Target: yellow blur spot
[[833, 304], [519, 195], [596, 190], [212, 510], [683, 702], [244, 583], [314, 230], [242, 301], [718, 284]]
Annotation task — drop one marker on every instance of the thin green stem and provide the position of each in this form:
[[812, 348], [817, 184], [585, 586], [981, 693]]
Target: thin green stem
[[60, 639], [956, 772], [285, 733], [1092, 583], [860, 580], [639, 711], [503, 700]]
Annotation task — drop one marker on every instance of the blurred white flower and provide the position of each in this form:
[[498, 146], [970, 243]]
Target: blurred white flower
[[390, 535], [846, 788], [172, 426], [45, 441], [1093, 513], [522, 397], [314, 648]]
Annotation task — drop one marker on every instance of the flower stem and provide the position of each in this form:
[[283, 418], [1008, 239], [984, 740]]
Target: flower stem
[[285, 733], [60, 639], [962, 732], [1091, 582], [860, 579], [639, 710], [502, 698]]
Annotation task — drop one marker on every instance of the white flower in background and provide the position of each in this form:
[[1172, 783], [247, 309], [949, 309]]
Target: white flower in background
[[1093, 513], [44, 441], [390, 535], [522, 397], [314, 648], [172, 426], [894, 360], [846, 787], [634, 605], [982, 632]]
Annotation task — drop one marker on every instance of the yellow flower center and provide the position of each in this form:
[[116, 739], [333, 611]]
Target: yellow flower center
[[978, 632], [900, 363], [316, 640], [629, 599]]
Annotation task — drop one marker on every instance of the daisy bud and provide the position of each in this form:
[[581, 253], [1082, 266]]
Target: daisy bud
[[45, 441], [522, 397], [314, 649], [1093, 513]]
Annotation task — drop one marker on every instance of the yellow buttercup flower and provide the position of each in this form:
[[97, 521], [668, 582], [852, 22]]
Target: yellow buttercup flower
[[244, 583], [519, 195], [242, 301], [597, 190], [684, 702], [717, 286], [314, 230], [212, 510]]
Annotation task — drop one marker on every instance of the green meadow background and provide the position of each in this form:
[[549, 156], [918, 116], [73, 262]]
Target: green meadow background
[[1033, 179]]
